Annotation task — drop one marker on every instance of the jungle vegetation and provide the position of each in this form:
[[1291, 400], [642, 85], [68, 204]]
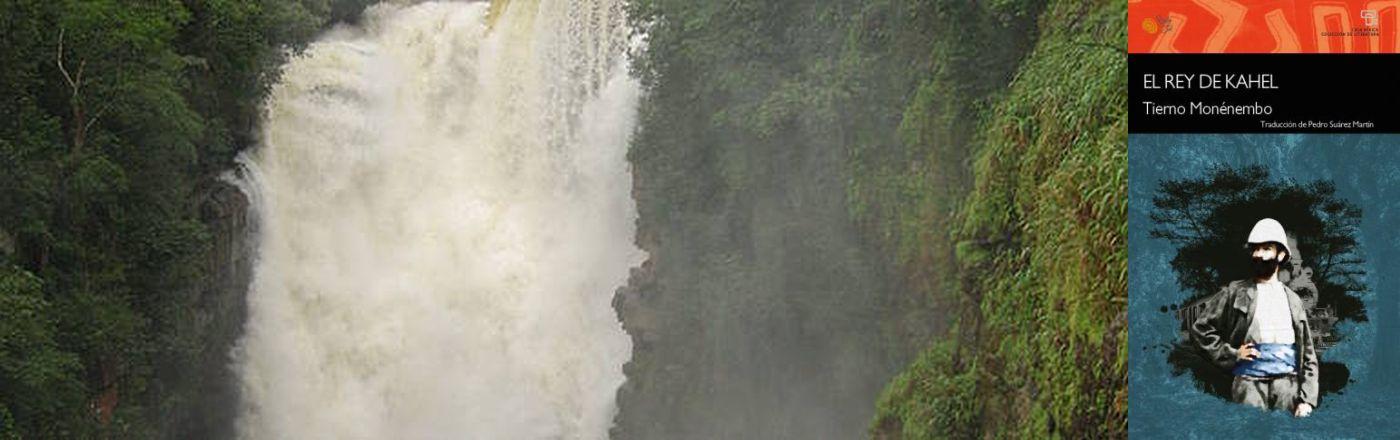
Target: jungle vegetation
[[981, 151], [116, 119]]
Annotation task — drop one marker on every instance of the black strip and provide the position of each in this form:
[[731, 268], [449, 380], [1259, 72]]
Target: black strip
[[1313, 92]]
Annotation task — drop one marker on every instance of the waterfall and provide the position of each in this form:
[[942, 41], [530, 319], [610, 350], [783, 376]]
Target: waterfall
[[444, 212]]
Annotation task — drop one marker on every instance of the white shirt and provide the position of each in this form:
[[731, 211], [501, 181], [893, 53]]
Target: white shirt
[[1273, 322]]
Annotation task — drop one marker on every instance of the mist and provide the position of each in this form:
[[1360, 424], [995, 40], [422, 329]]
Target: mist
[[444, 211]]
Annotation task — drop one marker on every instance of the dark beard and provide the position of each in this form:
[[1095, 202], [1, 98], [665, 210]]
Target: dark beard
[[1263, 268]]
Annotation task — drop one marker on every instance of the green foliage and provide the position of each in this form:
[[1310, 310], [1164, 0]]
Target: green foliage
[[1041, 251], [945, 61], [116, 116], [42, 378], [979, 156], [742, 172], [935, 397]]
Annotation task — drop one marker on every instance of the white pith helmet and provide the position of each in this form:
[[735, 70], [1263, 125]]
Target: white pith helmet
[[1269, 231]]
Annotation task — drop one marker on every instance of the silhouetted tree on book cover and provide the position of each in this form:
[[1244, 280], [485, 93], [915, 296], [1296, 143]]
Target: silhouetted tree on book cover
[[1208, 219]]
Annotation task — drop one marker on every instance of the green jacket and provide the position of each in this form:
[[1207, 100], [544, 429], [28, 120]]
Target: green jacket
[[1222, 325]]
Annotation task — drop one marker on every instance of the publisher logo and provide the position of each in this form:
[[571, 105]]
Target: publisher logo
[[1369, 17], [1370, 26]]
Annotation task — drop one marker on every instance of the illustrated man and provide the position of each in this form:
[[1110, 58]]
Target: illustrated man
[[1258, 329]]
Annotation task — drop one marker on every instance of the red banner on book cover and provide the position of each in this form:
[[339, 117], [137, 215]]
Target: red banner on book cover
[[1299, 26]]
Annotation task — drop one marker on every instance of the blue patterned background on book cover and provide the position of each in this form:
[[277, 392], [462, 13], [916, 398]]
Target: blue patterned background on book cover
[[1366, 172]]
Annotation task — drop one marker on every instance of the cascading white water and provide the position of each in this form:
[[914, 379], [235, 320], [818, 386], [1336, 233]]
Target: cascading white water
[[445, 212]]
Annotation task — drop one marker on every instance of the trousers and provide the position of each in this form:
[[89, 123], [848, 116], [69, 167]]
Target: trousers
[[1279, 393]]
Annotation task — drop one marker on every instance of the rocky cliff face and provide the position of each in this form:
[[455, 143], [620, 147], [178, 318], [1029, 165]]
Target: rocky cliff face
[[759, 314], [203, 380]]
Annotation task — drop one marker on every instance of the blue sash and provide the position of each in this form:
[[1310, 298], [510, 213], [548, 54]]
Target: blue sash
[[1273, 360]]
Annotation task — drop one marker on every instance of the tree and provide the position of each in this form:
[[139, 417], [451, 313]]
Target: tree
[[1208, 218], [39, 382], [117, 119]]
